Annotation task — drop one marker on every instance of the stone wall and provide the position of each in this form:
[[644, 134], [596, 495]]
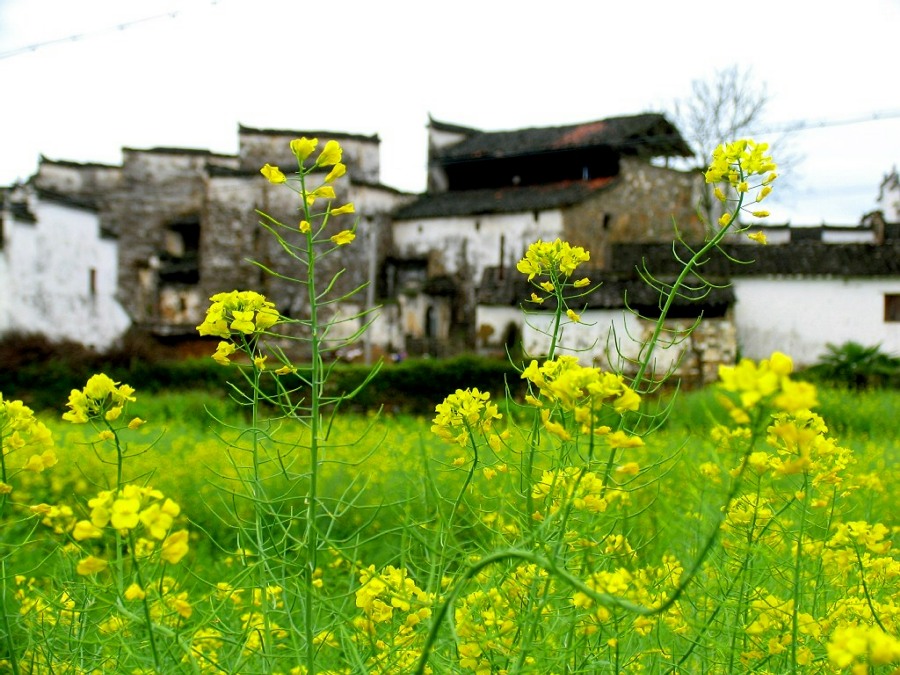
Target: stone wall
[[160, 191], [638, 207], [259, 147]]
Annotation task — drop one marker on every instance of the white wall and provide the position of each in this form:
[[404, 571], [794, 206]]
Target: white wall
[[605, 338], [473, 243], [45, 273], [800, 316]]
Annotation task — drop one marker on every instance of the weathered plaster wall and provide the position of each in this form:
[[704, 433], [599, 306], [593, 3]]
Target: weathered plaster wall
[[59, 277], [465, 246], [88, 181], [158, 189], [613, 338], [801, 316], [261, 147]]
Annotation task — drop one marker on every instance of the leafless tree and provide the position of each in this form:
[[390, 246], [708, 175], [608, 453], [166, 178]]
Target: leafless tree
[[729, 105]]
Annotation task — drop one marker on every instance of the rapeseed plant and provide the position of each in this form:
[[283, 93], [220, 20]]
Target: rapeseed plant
[[526, 550]]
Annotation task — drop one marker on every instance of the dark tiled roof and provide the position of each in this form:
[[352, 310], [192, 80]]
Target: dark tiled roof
[[455, 128], [501, 200], [806, 258], [178, 151], [616, 291], [309, 134], [79, 202], [79, 165], [647, 135]]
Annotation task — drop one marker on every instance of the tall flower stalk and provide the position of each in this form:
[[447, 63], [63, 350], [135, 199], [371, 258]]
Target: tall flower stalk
[[255, 331]]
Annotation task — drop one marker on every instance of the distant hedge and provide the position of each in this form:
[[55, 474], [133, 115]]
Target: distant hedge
[[417, 385], [42, 373]]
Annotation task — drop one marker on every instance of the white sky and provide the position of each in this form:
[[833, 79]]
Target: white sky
[[367, 67]]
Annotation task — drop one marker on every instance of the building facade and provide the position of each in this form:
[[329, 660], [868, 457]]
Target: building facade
[[91, 250]]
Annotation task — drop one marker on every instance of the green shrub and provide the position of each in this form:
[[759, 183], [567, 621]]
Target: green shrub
[[417, 385], [855, 365]]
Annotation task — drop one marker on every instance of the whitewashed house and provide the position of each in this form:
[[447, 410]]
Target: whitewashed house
[[58, 270], [491, 194], [87, 250], [796, 297]]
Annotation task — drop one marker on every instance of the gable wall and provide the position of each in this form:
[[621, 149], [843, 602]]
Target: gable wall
[[466, 245], [46, 274]]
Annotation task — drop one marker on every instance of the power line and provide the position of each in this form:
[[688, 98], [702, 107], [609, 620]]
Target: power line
[[807, 125], [174, 14]]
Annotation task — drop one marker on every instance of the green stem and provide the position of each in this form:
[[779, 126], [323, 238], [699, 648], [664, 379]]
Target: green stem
[[145, 604], [694, 261], [312, 543], [7, 629], [120, 455], [798, 564], [258, 496]]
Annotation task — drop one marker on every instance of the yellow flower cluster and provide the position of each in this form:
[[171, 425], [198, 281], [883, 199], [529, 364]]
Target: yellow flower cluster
[[585, 392], [733, 165], [488, 621], [101, 397], [735, 162], [770, 629], [555, 260], [330, 156], [381, 593], [584, 490], [394, 614], [801, 445], [21, 432], [238, 312], [859, 646], [859, 533], [129, 509], [463, 412], [648, 586], [767, 382]]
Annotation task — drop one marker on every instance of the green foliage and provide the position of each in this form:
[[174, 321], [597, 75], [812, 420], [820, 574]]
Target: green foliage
[[417, 385], [42, 372], [577, 535], [857, 366]]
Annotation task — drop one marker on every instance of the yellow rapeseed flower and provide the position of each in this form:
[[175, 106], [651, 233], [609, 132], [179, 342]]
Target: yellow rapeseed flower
[[175, 547], [303, 147], [331, 154], [552, 259], [135, 592], [321, 192], [91, 565], [336, 172], [343, 238], [462, 412], [242, 311], [341, 210], [273, 174], [99, 396]]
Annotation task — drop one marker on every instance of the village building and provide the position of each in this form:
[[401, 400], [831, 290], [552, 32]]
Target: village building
[[88, 251], [187, 224], [58, 268], [491, 194]]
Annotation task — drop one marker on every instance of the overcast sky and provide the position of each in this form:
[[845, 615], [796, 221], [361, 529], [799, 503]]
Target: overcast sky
[[189, 71]]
